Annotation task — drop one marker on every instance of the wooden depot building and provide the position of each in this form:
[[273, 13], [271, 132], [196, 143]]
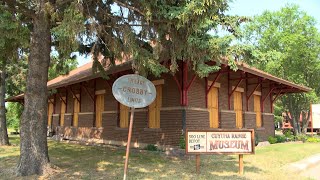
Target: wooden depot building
[[83, 107]]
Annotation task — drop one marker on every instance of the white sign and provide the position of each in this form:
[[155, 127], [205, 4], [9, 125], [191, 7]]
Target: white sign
[[134, 91], [316, 115], [220, 142]]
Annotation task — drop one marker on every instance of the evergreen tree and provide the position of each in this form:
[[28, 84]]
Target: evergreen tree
[[153, 34]]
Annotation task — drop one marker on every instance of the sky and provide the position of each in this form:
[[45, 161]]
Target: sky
[[257, 7]]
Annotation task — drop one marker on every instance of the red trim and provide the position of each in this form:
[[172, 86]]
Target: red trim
[[268, 94], [206, 92], [215, 79], [184, 86], [50, 100], [234, 89], [248, 97], [230, 94], [87, 91], [184, 83], [179, 87], [243, 77], [191, 82], [229, 100], [70, 88], [61, 98], [54, 104]]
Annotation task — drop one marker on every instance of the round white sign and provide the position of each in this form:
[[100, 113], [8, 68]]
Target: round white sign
[[134, 91]]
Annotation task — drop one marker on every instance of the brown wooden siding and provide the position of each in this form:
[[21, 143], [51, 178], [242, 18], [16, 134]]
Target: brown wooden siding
[[196, 94], [170, 129], [197, 120], [86, 120]]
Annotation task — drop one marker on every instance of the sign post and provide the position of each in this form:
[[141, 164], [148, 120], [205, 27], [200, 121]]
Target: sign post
[[136, 92], [128, 145], [222, 141]]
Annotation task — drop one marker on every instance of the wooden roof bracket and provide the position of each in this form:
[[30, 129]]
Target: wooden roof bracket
[[184, 85], [179, 87], [191, 82], [234, 89], [230, 94], [50, 101], [87, 91], [255, 88], [74, 95], [211, 85], [277, 96], [268, 94], [60, 97], [207, 90]]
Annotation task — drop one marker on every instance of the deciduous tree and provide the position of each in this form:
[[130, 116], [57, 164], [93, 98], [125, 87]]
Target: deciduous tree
[[292, 39]]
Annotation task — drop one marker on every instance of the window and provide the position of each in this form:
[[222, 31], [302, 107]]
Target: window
[[76, 110], [124, 116], [62, 111], [50, 112], [213, 107], [154, 109], [237, 103], [99, 109], [257, 110]]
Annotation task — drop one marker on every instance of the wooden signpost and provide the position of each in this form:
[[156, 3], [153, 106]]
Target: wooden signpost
[[136, 92], [222, 141]]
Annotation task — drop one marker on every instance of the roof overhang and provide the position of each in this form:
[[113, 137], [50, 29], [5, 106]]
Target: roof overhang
[[85, 73]]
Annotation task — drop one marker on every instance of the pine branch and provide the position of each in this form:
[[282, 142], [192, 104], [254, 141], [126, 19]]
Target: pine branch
[[14, 6], [129, 7]]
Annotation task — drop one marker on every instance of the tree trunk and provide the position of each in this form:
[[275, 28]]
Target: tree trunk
[[305, 121], [34, 157], [4, 140]]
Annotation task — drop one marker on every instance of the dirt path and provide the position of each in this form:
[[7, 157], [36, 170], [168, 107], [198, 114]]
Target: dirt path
[[312, 172]]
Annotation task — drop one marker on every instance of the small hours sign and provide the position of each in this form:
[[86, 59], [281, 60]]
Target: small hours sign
[[134, 91]]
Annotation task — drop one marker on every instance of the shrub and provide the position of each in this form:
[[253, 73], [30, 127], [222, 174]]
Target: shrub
[[313, 139], [256, 139], [182, 142], [272, 140], [289, 136], [301, 137], [280, 138], [151, 147]]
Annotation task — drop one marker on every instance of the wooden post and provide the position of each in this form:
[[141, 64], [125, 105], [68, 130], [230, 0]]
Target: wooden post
[[128, 144], [198, 163], [241, 164]]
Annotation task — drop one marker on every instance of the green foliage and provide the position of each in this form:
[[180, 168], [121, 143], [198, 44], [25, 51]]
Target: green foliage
[[288, 39], [67, 34], [280, 138], [301, 137], [289, 136], [313, 139], [156, 35], [256, 139], [60, 67], [272, 140], [151, 147], [14, 111], [182, 142]]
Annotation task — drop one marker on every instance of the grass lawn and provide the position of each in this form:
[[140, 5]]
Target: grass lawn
[[75, 161]]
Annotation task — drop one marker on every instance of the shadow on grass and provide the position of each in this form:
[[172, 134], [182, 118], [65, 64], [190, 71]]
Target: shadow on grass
[[76, 161]]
